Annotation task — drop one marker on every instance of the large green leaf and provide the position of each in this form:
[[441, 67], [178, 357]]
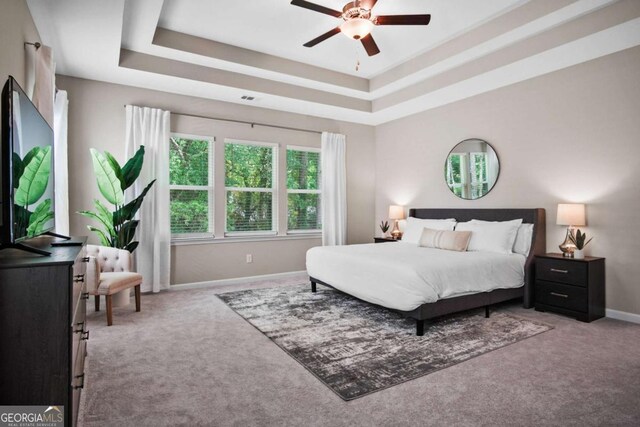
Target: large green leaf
[[131, 246], [109, 227], [35, 178], [108, 182], [105, 216], [116, 167], [128, 211], [127, 233], [30, 155], [104, 241], [18, 169], [131, 169], [39, 218], [20, 220]]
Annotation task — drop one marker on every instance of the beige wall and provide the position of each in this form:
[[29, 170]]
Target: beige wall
[[570, 136], [97, 119], [16, 28]]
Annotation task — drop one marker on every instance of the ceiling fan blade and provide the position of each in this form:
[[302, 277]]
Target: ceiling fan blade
[[316, 8], [403, 20], [323, 37], [368, 4], [370, 45]]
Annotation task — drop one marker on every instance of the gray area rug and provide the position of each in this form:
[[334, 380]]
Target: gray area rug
[[356, 348]]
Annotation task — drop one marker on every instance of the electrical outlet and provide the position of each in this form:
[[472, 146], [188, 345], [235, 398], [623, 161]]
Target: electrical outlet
[[249, 258]]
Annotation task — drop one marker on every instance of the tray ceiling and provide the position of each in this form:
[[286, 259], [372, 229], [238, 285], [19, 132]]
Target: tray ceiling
[[226, 49]]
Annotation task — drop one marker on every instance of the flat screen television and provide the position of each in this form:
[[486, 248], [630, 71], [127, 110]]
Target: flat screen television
[[26, 177]]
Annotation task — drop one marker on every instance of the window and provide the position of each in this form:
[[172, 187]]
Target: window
[[250, 186], [191, 185], [303, 189]]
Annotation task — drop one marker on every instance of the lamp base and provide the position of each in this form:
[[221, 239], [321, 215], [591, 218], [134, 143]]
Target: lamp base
[[396, 234], [567, 247]]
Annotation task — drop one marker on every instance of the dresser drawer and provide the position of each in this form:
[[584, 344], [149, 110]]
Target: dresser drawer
[[564, 296], [562, 271]]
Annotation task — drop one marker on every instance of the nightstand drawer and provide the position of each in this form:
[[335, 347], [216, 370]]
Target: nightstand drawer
[[562, 271], [565, 296]]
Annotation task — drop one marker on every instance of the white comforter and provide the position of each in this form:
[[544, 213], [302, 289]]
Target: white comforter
[[404, 276]]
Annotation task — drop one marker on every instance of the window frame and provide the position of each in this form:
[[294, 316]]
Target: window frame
[[210, 188], [274, 188], [294, 191]]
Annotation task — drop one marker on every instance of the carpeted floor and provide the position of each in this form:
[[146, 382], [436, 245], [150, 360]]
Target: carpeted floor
[[188, 359], [356, 348]]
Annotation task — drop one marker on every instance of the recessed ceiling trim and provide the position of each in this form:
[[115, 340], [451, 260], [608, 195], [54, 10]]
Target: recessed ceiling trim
[[200, 46], [159, 65], [446, 58]]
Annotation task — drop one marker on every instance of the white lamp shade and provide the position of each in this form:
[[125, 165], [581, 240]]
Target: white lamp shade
[[571, 214], [356, 28], [396, 212]]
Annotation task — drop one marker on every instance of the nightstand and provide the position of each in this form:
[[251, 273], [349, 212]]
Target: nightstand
[[574, 287], [384, 239]]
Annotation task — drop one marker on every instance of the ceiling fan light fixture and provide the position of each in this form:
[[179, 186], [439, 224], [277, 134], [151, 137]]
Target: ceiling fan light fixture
[[356, 28]]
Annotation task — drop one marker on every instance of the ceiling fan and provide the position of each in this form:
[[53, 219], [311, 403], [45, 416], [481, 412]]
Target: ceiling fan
[[358, 22]]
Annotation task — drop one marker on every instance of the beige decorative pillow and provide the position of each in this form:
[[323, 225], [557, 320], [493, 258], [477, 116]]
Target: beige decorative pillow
[[441, 239]]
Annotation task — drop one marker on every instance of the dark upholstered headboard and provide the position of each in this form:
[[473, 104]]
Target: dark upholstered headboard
[[537, 217]]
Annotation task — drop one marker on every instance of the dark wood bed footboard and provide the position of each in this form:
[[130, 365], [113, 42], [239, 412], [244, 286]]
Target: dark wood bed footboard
[[483, 299]]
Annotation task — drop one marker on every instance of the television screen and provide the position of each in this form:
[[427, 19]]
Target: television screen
[[29, 146]]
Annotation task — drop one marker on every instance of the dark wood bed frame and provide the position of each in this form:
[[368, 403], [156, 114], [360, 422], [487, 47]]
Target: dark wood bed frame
[[483, 299]]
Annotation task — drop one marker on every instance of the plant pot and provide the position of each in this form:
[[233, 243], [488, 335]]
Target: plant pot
[[578, 254]]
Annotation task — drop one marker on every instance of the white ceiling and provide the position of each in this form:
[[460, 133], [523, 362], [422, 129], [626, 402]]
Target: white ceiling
[[254, 47], [278, 28]]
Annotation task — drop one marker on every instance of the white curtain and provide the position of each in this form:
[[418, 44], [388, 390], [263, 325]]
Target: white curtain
[[150, 127], [60, 161], [334, 189], [43, 91]]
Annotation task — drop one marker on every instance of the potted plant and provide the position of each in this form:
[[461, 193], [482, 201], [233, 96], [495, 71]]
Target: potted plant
[[118, 227], [580, 241], [384, 226]]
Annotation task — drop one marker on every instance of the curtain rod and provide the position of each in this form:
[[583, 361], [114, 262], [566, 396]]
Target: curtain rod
[[247, 123]]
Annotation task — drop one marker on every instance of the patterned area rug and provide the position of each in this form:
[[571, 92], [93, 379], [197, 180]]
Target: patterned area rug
[[356, 348]]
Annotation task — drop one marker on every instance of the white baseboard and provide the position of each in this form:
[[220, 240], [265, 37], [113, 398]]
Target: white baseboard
[[225, 282], [622, 315]]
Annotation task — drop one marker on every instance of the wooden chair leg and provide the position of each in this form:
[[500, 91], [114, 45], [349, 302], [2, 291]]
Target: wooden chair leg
[[137, 290], [109, 311], [97, 302]]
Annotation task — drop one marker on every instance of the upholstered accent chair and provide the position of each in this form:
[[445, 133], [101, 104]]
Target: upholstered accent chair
[[109, 272]]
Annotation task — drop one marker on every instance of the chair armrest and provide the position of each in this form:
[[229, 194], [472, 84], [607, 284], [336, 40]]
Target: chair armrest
[[93, 275]]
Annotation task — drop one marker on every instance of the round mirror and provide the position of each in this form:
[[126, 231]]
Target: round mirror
[[471, 169]]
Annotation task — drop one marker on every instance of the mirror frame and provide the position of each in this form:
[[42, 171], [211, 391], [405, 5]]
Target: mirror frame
[[447, 159]]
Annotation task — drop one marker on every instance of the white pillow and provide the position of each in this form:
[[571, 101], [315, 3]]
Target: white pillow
[[522, 244], [491, 236], [414, 227]]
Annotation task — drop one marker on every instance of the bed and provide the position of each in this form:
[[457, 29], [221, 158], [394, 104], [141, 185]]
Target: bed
[[410, 284]]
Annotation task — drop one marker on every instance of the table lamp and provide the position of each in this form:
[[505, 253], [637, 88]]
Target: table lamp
[[396, 213], [572, 215]]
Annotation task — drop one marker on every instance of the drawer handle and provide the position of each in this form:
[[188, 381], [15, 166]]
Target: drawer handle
[[78, 278], [85, 259], [81, 325], [81, 378], [85, 295], [85, 336], [555, 294], [555, 270]]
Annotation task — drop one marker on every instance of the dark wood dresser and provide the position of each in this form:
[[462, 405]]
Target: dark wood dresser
[[574, 287], [384, 239], [43, 333]]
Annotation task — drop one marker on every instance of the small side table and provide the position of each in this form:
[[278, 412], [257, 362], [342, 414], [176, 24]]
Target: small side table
[[574, 287], [384, 239]]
